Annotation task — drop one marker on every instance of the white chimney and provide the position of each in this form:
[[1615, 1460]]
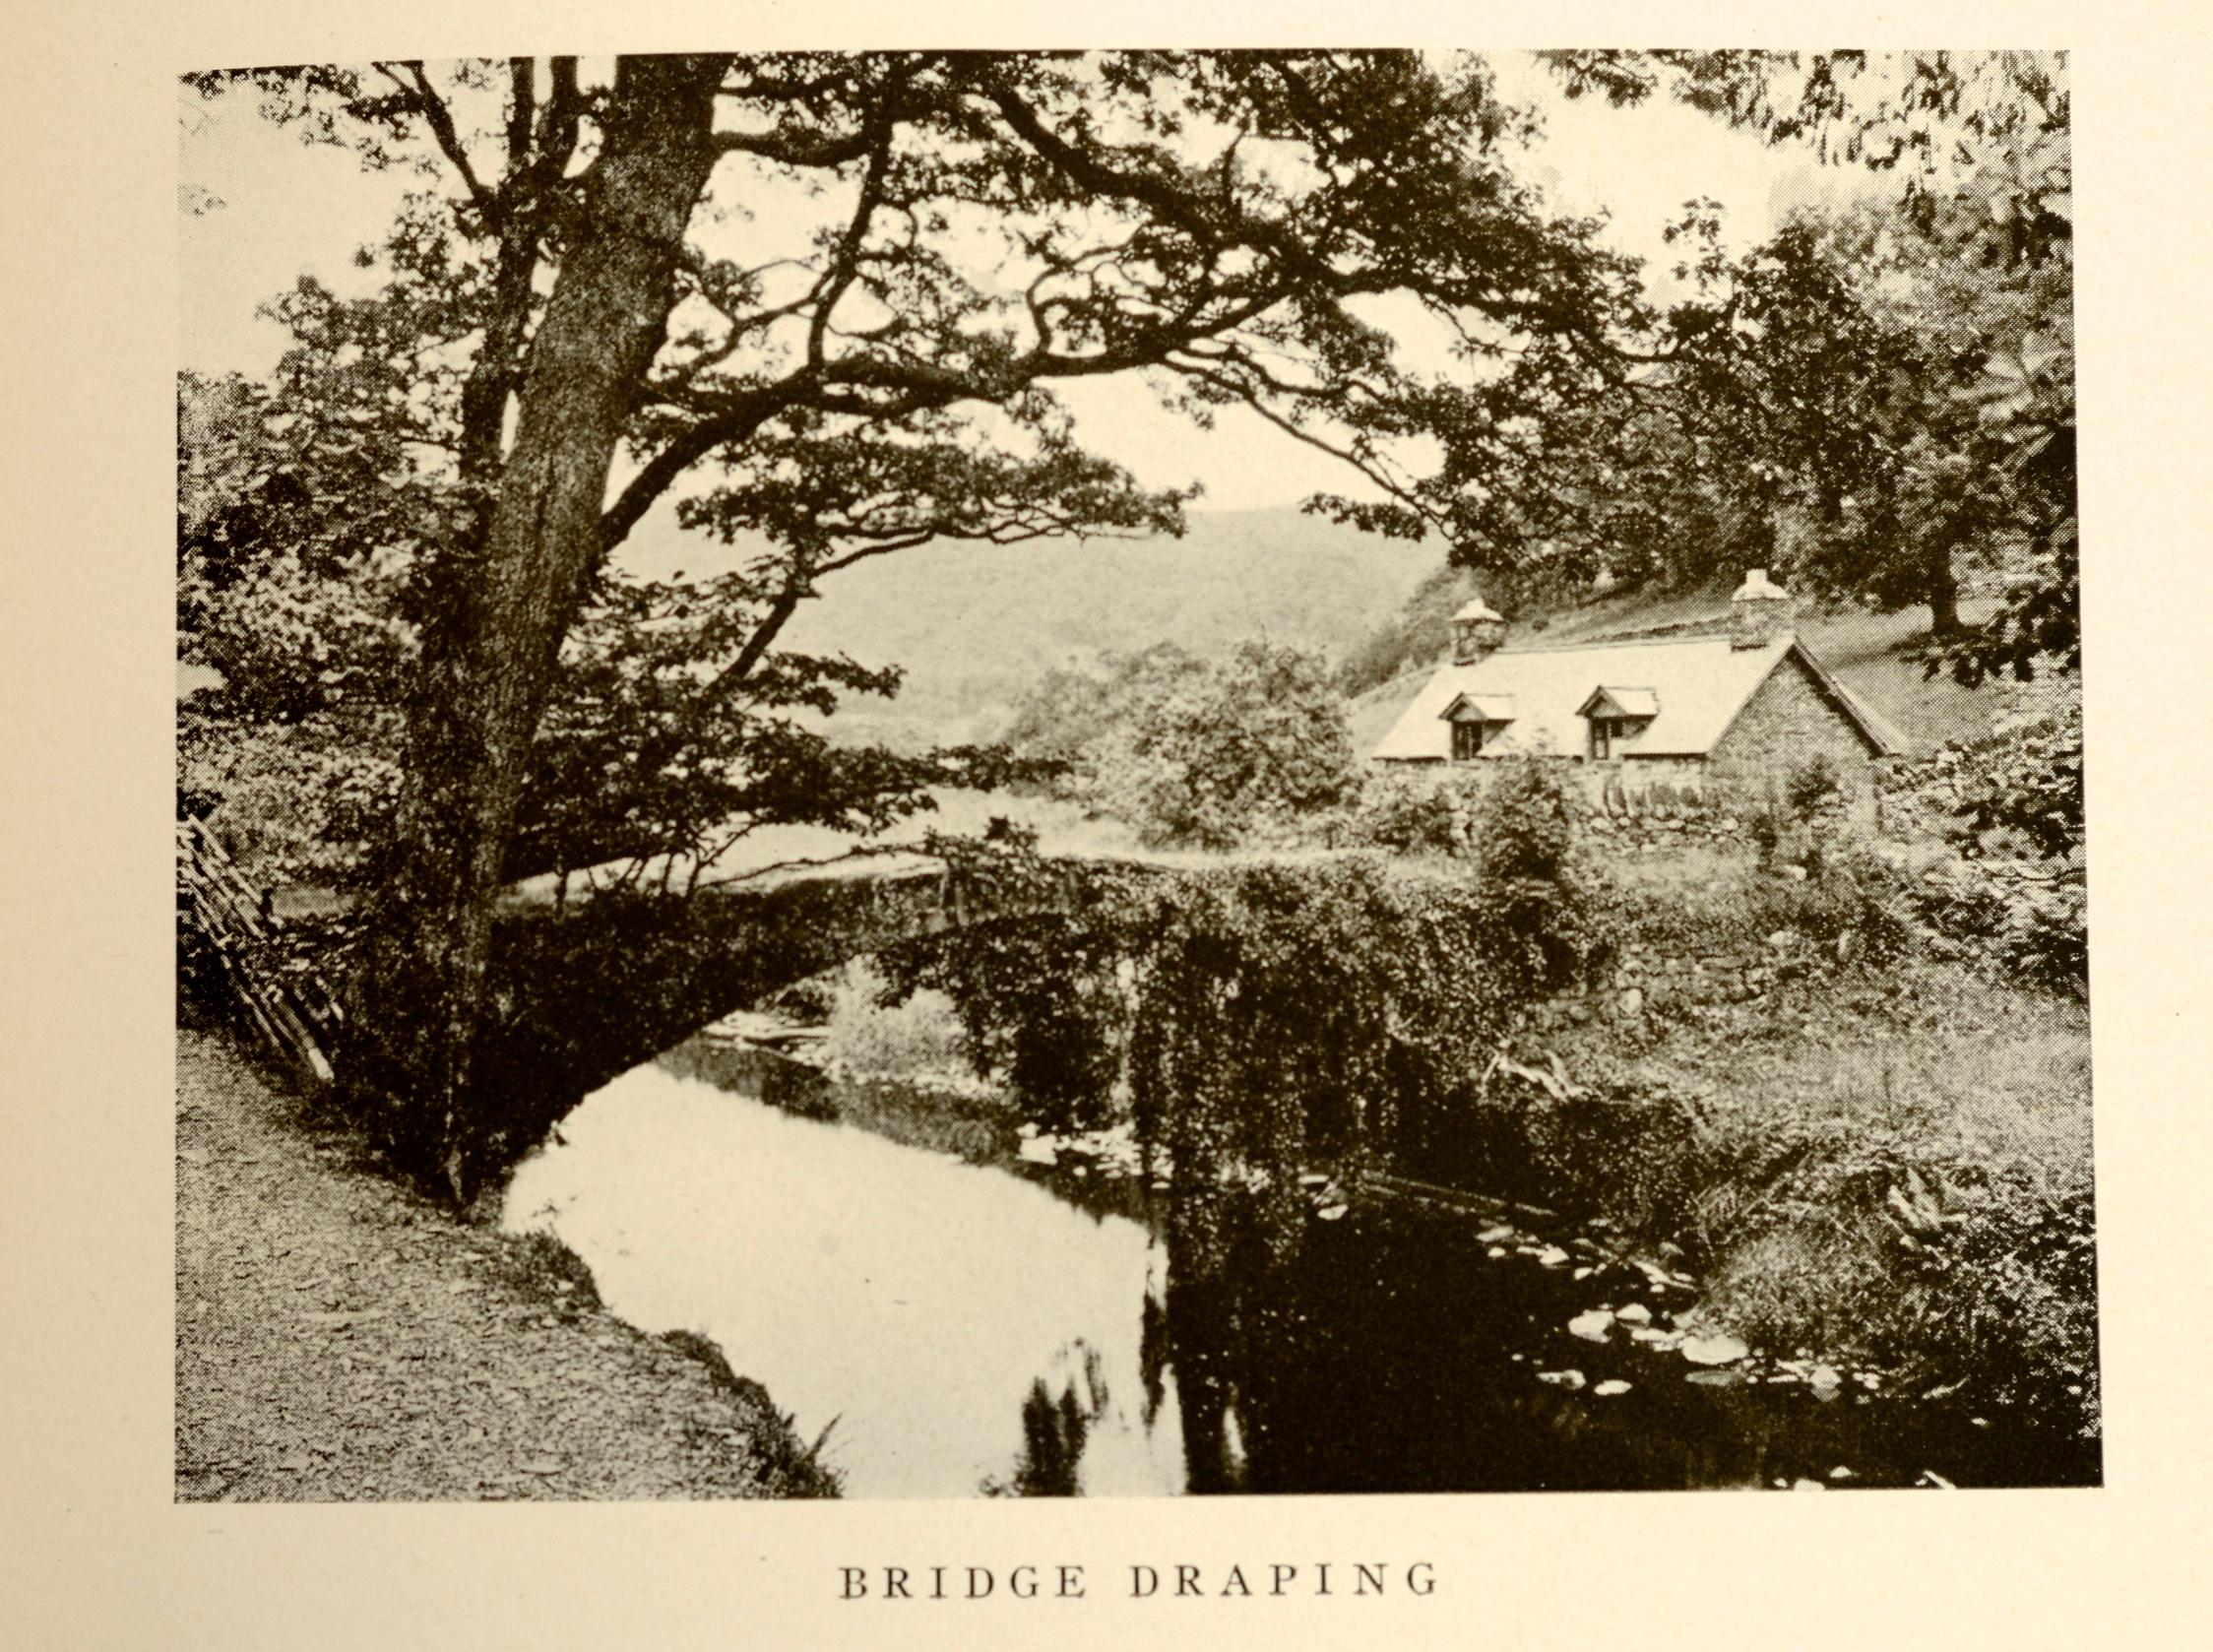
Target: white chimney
[[1761, 612]]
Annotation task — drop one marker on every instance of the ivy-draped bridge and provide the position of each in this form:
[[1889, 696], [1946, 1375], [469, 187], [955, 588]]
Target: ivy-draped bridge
[[1312, 981], [590, 987]]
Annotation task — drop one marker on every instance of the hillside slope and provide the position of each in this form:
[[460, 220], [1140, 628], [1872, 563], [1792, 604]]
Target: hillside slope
[[975, 626]]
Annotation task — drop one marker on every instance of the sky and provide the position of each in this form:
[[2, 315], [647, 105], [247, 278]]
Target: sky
[[259, 209]]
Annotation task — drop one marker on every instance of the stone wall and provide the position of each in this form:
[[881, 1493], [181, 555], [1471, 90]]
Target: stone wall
[[1659, 804], [1642, 978], [1790, 719]]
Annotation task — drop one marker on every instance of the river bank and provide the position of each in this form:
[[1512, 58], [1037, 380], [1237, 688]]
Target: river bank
[[338, 1339], [1865, 1171]]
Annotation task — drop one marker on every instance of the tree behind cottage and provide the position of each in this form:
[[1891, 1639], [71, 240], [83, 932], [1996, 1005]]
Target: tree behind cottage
[[1900, 383], [579, 285]]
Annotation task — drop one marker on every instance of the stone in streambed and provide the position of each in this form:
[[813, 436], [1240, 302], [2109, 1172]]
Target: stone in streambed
[[1719, 1350], [1592, 1326]]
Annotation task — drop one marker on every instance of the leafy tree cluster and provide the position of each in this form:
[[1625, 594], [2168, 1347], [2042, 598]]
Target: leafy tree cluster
[[1879, 403], [302, 523], [1196, 752], [1891, 392]]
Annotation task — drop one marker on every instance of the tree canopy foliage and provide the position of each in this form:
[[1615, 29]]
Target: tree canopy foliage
[[300, 530], [821, 306], [1877, 400], [1191, 751], [1891, 392]]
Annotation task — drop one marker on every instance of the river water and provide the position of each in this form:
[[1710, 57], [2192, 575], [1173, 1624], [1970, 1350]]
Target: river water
[[962, 1323]]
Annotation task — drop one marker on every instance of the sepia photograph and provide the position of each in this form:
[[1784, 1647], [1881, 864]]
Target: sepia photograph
[[1123, 774]]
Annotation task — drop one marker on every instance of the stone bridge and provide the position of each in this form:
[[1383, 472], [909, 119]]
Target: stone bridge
[[589, 985], [587, 988]]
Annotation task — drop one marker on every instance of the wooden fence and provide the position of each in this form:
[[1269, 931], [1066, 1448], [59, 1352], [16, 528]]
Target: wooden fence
[[294, 1010]]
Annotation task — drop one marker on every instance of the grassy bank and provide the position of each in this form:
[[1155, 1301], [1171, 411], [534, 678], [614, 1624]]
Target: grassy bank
[[1892, 1169]]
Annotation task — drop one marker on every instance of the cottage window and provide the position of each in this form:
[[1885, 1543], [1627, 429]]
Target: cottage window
[[1602, 739], [1467, 742]]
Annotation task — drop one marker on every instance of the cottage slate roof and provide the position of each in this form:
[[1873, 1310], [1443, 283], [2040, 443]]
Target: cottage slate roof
[[1620, 701], [1486, 707], [1695, 685]]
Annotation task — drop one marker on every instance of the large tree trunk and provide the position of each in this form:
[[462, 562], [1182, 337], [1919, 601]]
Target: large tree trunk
[[1943, 597], [499, 609]]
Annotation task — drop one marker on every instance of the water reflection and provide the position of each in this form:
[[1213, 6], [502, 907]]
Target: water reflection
[[976, 1330]]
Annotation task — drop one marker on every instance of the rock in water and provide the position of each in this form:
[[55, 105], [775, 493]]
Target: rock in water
[[1636, 1313], [1591, 1326], [1721, 1349], [1612, 1386], [1561, 1380]]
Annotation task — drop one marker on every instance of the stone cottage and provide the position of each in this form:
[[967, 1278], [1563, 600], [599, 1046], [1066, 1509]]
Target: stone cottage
[[1725, 712]]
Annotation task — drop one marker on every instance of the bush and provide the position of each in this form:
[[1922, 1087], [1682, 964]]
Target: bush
[[1210, 753], [2026, 785], [1813, 788], [1525, 826], [878, 1031], [2031, 923], [1525, 833], [1411, 817]]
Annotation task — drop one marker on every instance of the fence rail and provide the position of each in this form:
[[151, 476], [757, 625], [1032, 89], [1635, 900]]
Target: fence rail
[[294, 1010]]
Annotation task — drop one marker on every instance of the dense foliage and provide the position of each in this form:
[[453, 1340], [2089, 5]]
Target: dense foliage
[[592, 275], [1902, 380], [1198, 752], [301, 528]]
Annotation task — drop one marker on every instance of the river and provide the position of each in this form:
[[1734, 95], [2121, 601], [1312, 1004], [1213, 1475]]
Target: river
[[962, 1322]]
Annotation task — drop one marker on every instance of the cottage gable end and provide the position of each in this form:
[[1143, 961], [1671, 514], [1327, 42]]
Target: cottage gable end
[[1794, 712]]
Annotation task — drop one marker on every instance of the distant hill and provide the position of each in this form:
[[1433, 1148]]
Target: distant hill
[[977, 625]]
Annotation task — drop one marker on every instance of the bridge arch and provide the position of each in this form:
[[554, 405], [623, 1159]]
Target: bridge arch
[[587, 990]]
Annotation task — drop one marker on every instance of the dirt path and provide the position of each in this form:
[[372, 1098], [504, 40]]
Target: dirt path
[[338, 1339]]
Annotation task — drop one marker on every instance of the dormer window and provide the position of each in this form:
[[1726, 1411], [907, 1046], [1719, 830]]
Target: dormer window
[[1477, 719], [1616, 716]]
